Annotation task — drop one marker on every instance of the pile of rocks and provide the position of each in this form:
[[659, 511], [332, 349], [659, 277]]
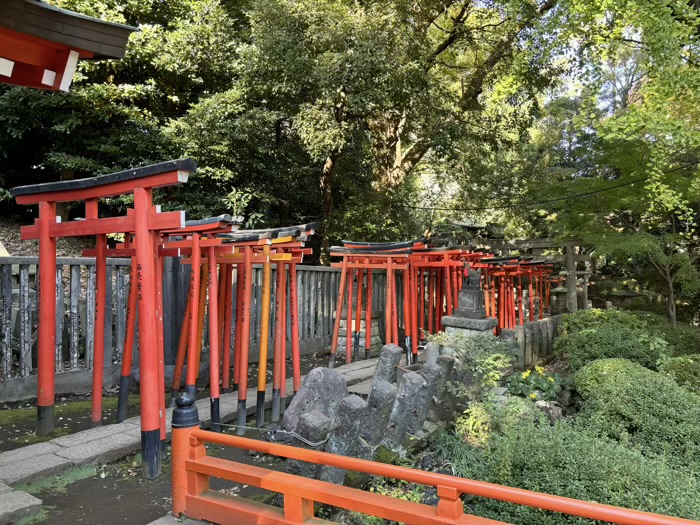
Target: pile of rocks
[[324, 416]]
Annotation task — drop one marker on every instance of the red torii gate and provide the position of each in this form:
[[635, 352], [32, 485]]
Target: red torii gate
[[40, 44], [144, 222]]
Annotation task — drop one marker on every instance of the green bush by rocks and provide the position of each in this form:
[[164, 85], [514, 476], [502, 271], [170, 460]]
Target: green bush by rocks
[[609, 340], [685, 370], [595, 318], [525, 452], [645, 409], [661, 336], [481, 362]]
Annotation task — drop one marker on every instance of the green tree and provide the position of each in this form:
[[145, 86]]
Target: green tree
[[113, 117], [400, 82]]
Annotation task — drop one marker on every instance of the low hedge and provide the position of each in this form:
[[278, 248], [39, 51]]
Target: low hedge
[[648, 410], [573, 462], [681, 339], [595, 317], [609, 340]]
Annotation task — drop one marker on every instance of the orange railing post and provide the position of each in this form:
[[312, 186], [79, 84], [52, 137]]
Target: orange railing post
[[184, 448], [450, 505]]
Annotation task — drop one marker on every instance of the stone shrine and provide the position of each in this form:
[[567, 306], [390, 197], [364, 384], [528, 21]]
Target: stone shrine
[[469, 319]]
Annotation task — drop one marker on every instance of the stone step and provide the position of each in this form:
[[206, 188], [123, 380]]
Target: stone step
[[15, 505], [361, 389]]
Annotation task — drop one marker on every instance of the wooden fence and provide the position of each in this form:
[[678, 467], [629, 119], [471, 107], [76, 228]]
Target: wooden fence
[[317, 286]]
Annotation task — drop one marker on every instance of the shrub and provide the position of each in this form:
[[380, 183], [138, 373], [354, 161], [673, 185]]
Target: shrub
[[387, 487], [535, 384], [481, 420], [480, 361], [685, 370], [463, 449], [565, 461], [610, 340], [646, 409], [683, 339], [595, 317]]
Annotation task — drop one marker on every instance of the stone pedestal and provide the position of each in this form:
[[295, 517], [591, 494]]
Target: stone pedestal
[[470, 317], [469, 327]]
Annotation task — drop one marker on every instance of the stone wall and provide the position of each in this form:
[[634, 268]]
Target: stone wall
[[534, 341]]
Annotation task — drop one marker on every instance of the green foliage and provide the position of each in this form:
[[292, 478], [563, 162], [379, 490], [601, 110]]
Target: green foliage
[[535, 384], [682, 338], [355, 112], [513, 445], [645, 409], [483, 359], [642, 337], [566, 461], [685, 370], [595, 317], [474, 427], [482, 420], [397, 489], [457, 453], [613, 340], [114, 116]]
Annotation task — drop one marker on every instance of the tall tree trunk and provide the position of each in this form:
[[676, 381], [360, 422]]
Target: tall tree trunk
[[671, 303], [669, 277], [327, 197]]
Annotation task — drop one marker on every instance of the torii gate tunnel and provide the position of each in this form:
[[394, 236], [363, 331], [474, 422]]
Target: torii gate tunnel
[[144, 223]]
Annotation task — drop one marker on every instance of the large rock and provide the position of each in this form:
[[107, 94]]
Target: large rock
[[322, 390], [311, 433], [376, 418], [379, 405], [431, 352], [388, 361], [343, 438], [406, 410], [552, 410], [442, 405], [423, 398]]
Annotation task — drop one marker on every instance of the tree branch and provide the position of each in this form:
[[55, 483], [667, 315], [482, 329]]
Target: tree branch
[[455, 33]]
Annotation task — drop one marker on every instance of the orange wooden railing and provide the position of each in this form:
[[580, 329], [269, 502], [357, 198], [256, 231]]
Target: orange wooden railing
[[192, 469]]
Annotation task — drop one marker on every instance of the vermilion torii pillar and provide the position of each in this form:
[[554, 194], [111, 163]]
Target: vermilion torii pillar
[[145, 219]]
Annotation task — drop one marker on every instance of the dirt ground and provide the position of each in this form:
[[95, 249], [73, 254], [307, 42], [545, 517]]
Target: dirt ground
[[116, 493], [18, 420]]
